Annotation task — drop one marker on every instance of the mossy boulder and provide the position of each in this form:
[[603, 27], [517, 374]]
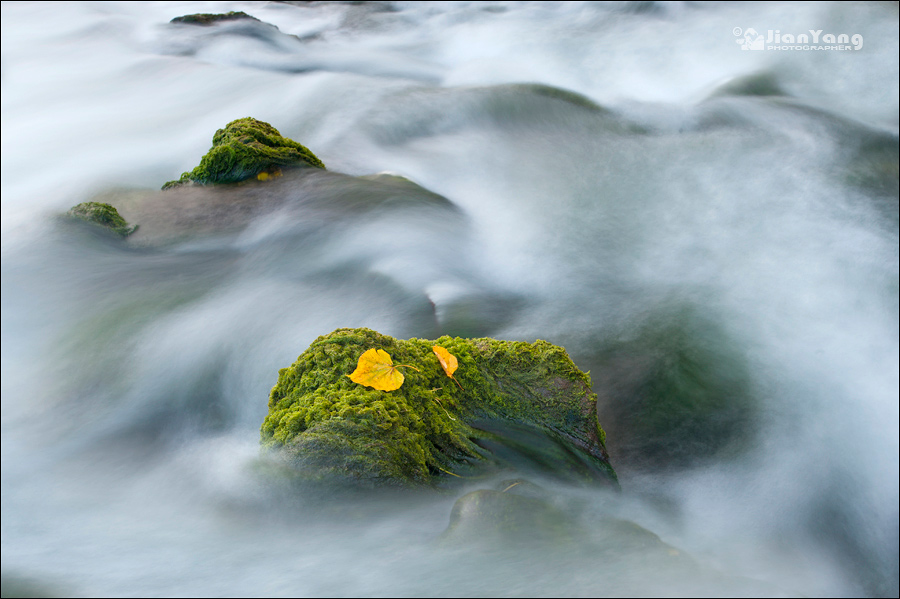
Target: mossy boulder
[[432, 430], [104, 215], [206, 19], [246, 149]]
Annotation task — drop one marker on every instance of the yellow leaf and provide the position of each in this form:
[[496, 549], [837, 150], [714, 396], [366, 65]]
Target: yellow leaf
[[376, 369], [448, 361]]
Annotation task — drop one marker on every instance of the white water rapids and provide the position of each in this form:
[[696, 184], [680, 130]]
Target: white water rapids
[[612, 164]]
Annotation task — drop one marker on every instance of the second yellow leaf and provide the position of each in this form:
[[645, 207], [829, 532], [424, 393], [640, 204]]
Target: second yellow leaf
[[448, 361]]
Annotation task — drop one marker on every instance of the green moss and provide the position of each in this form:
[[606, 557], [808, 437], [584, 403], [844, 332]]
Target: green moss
[[328, 426], [103, 215], [205, 19], [244, 149]]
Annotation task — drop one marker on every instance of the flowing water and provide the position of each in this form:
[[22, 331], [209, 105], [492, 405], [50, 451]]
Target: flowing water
[[623, 180]]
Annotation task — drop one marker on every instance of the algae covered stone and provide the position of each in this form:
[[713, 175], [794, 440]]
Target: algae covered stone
[[430, 429], [244, 149], [206, 19], [104, 215]]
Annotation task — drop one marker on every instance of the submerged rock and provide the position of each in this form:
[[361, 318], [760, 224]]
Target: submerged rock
[[244, 149], [518, 517], [432, 427], [293, 201], [497, 517], [875, 168], [519, 525], [756, 84], [15, 585], [104, 215], [676, 391]]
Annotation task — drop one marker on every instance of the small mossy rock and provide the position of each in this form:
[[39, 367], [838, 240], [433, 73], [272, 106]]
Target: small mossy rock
[[104, 215], [206, 19], [330, 428], [244, 149]]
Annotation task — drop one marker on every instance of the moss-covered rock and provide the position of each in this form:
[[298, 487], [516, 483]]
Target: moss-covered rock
[[104, 215], [430, 428], [244, 149], [205, 19]]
